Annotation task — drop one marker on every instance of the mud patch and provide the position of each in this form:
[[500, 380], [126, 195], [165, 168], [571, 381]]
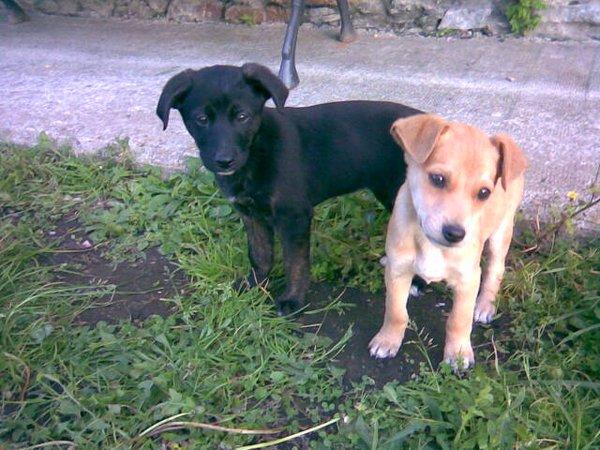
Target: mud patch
[[365, 314], [137, 290]]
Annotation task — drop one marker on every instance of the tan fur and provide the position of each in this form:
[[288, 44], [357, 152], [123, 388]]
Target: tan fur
[[415, 245]]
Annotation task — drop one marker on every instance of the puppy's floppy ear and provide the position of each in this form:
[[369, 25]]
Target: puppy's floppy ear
[[173, 94], [417, 135], [512, 162], [266, 82]]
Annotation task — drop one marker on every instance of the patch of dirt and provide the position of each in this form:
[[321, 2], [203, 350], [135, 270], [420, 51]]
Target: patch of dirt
[[428, 311], [140, 287]]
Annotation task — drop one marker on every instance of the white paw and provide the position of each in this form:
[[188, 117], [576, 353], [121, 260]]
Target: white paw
[[383, 260], [385, 344], [459, 356], [484, 312]]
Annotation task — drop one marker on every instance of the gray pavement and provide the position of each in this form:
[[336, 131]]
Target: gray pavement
[[88, 82]]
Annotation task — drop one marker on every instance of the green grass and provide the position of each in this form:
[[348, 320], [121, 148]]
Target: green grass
[[228, 359]]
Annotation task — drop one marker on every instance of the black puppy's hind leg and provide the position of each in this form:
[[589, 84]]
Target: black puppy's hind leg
[[347, 33], [387, 196], [294, 228], [260, 252], [287, 70]]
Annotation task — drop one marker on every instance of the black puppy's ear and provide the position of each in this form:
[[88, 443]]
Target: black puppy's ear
[[267, 82], [173, 94]]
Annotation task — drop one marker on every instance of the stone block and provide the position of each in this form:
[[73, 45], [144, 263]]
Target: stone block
[[323, 15], [467, 15], [247, 14], [413, 8], [196, 11], [570, 20], [276, 13], [141, 9], [63, 8], [96, 8], [371, 7]]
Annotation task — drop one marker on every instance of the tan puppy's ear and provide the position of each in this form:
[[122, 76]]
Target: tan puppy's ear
[[512, 162], [417, 135]]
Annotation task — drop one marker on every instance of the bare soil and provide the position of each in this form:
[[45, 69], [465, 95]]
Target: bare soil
[[141, 288], [428, 311]]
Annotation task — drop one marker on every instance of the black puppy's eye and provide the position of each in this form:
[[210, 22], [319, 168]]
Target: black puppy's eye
[[437, 180], [483, 194], [242, 117], [202, 119]]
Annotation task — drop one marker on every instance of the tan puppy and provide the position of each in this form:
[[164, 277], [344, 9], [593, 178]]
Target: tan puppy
[[462, 191]]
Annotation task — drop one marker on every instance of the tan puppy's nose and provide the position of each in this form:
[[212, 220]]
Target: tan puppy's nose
[[453, 233]]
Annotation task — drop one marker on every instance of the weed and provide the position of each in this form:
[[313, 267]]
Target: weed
[[247, 19], [522, 15]]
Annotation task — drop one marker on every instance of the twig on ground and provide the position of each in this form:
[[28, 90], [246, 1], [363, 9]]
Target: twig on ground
[[26, 375], [48, 444], [496, 365], [290, 437], [553, 230], [170, 426], [158, 424]]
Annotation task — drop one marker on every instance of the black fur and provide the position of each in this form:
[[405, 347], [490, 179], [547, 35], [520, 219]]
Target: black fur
[[275, 165]]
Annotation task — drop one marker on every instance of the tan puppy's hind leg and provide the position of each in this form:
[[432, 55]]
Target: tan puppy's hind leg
[[387, 341], [496, 251], [458, 351]]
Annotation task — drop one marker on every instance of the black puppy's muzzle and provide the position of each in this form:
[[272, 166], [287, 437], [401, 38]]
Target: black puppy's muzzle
[[224, 162]]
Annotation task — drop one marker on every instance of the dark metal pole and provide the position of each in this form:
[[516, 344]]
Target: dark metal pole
[[347, 33], [287, 70], [15, 10]]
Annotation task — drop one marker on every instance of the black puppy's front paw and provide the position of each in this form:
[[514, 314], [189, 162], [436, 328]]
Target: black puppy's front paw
[[249, 282], [418, 286], [241, 285], [287, 306]]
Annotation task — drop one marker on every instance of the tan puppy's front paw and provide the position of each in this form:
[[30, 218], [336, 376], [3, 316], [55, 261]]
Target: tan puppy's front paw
[[459, 355], [386, 343], [485, 310]]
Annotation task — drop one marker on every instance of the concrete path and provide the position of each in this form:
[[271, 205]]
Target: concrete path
[[88, 82]]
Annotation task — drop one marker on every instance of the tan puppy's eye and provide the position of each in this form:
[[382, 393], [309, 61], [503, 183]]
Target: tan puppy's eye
[[483, 194], [439, 181]]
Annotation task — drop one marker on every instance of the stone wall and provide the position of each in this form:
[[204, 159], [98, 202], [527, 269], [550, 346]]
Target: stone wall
[[571, 19], [579, 19]]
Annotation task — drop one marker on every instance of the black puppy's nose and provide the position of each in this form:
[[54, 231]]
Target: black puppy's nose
[[453, 233], [224, 162]]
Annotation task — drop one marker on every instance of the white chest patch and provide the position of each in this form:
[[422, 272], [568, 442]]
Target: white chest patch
[[430, 264]]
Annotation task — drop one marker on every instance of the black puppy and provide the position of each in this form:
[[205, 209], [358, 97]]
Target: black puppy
[[275, 165]]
